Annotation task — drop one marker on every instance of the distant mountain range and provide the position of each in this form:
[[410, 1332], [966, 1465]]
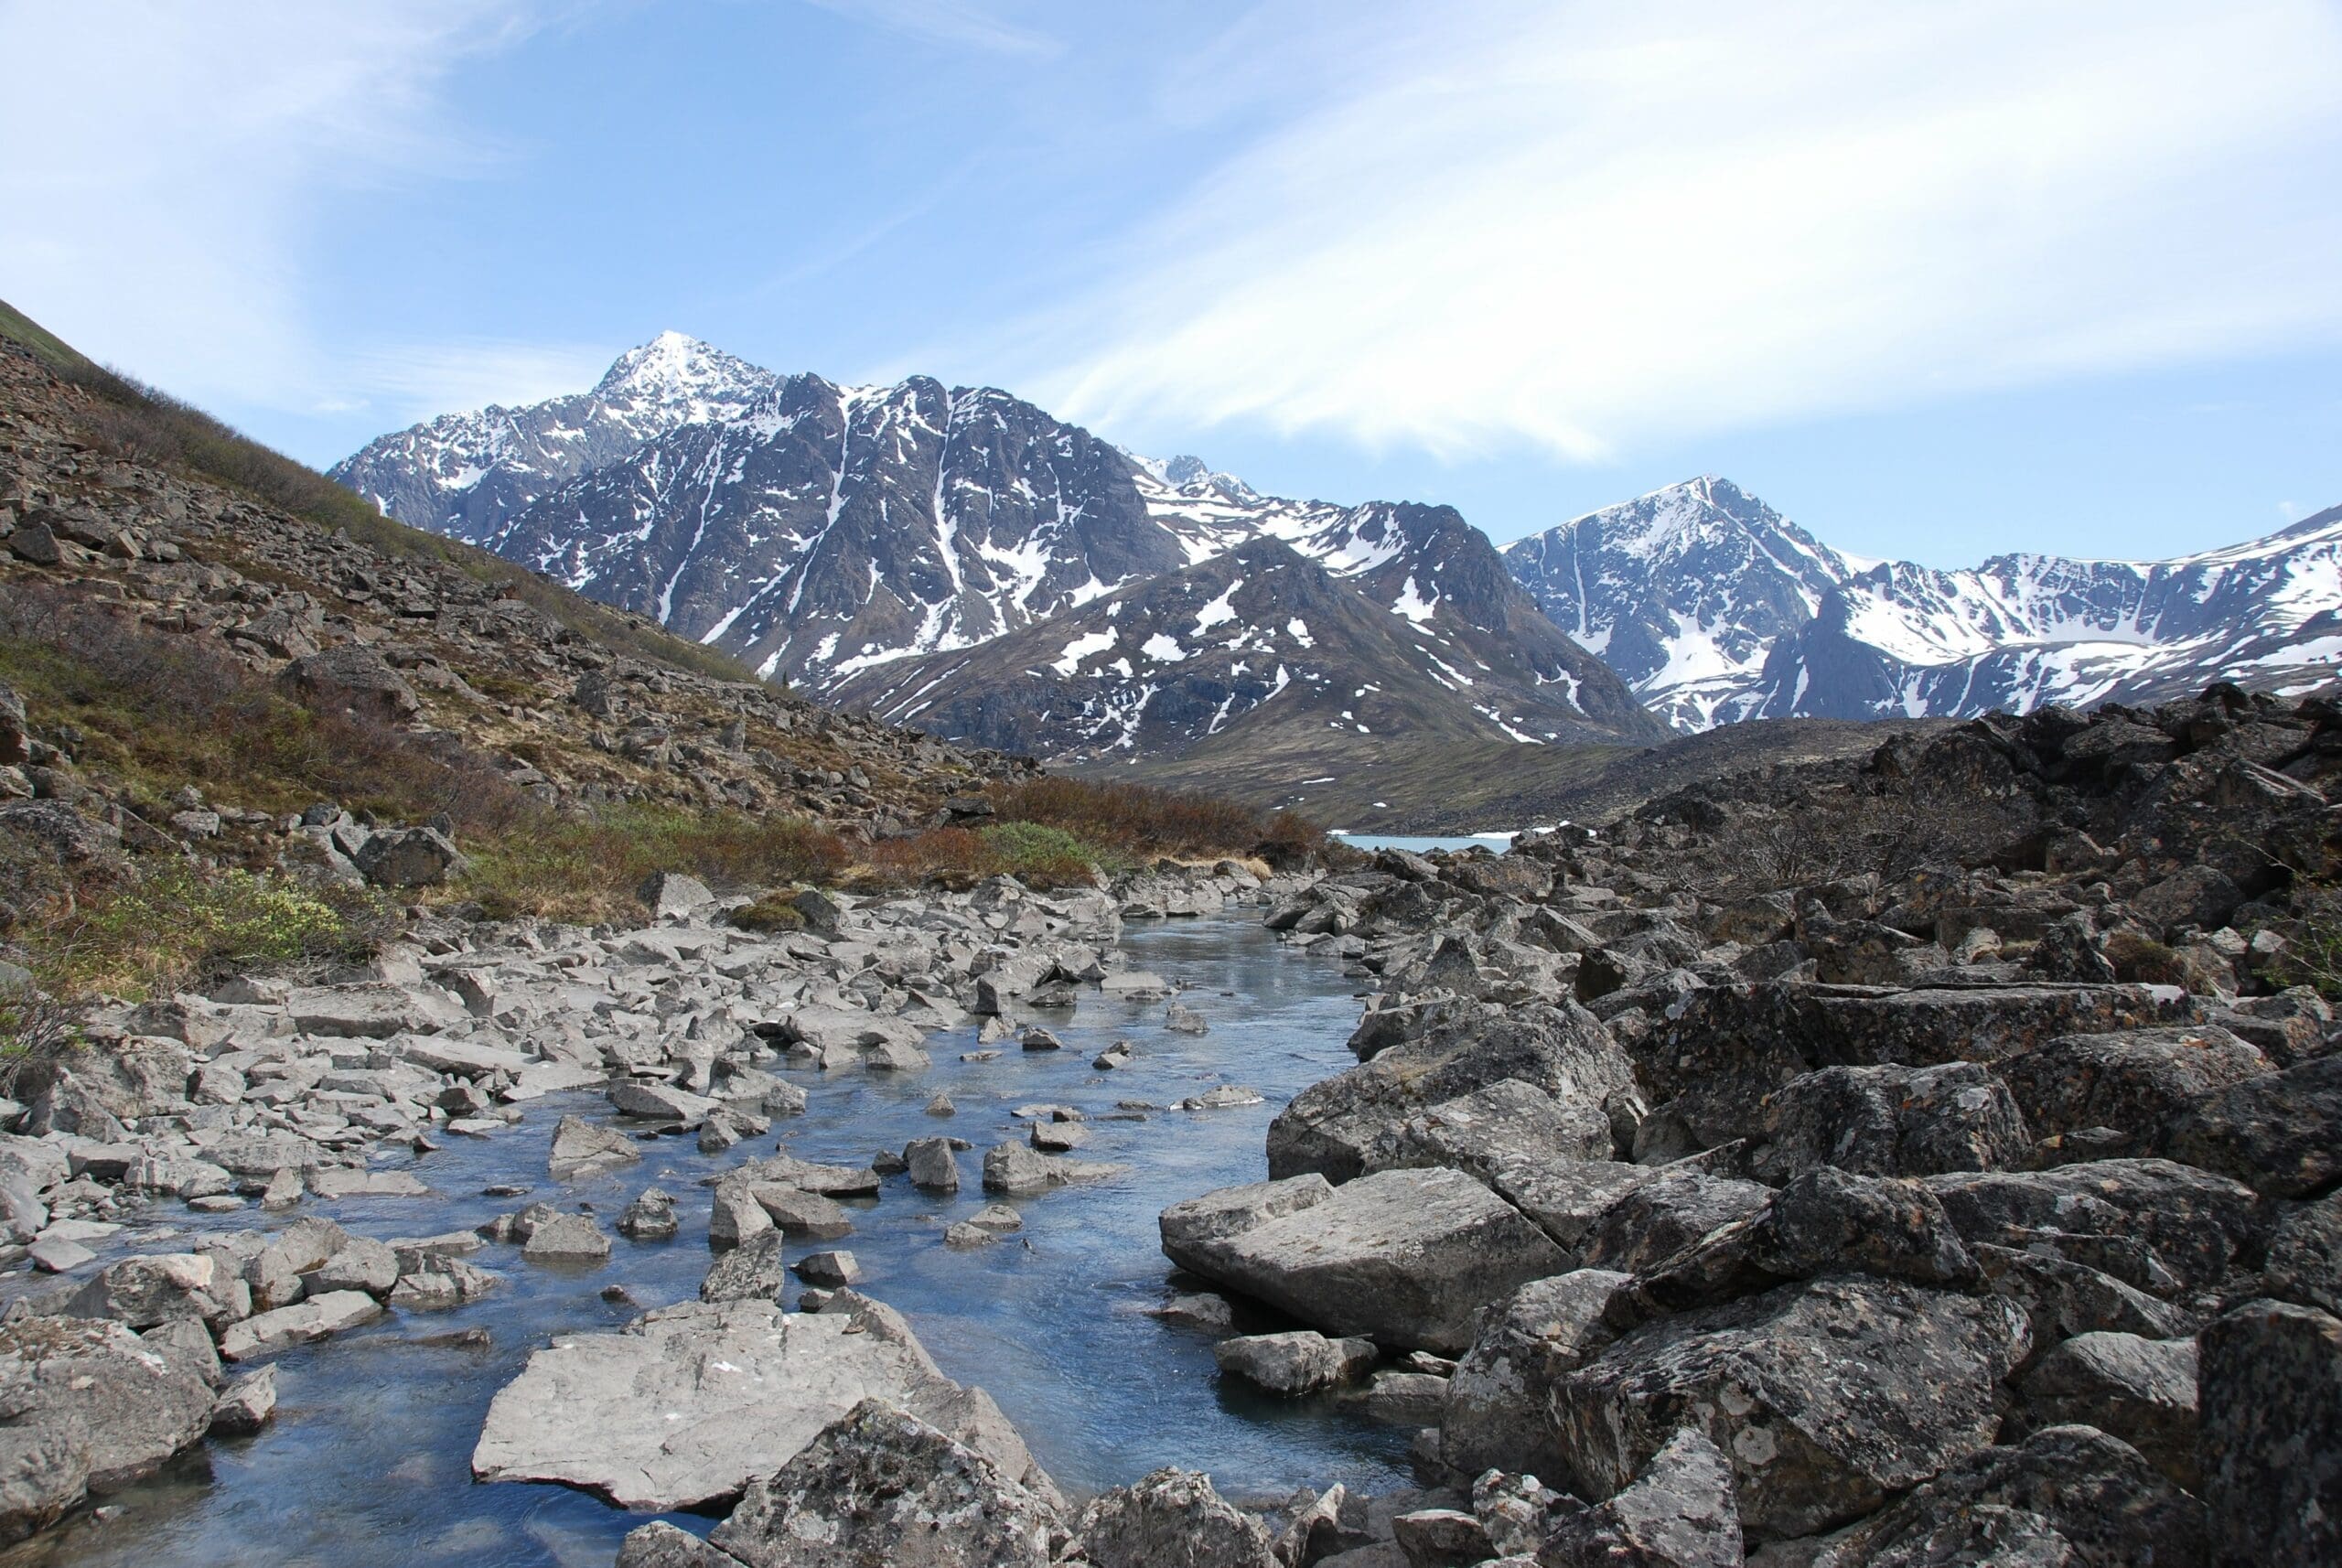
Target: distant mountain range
[[959, 559], [1714, 608]]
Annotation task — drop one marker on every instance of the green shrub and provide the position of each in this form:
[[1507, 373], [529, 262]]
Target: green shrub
[[1041, 857], [774, 911], [1134, 821], [589, 868], [186, 923]]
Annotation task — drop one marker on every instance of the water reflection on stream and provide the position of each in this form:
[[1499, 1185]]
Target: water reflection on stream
[[368, 1460]]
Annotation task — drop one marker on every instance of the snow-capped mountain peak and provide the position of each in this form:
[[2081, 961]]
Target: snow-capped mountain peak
[[1714, 608], [688, 381]]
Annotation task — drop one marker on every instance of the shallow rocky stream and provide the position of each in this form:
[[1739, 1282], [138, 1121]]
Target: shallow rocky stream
[[367, 1459]]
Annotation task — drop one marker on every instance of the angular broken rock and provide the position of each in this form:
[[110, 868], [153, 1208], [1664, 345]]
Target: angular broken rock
[[2270, 1386], [877, 1485], [650, 1216], [2066, 1494], [1172, 1516], [1298, 1362], [2141, 1390], [931, 1164], [1496, 1415], [1892, 1121], [1827, 1396], [567, 1239], [754, 1271], [316, 1318], [245, 1405], [685, 1404], [1677, 1514], [1404, 1257], [582, 1149], [1018, 1170], [99, 1392]]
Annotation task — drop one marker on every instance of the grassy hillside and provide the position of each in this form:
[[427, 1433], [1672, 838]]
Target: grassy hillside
[[151, 427]]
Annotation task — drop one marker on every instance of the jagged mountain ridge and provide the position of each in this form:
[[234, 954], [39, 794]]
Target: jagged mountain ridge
[[1715, 608], [821, 532], [466, 474]]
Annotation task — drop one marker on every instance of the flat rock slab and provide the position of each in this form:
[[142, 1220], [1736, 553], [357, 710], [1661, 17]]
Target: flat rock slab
[[1405, 1258], [304, 1321], [685, 1405]]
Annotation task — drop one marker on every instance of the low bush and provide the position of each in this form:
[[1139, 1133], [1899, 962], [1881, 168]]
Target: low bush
[[589, 868], [1140, 820], [774, 911], [158, 710], [185, 924]]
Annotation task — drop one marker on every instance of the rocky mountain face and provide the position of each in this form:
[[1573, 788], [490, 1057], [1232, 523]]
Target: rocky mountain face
[[464, 474], [1715, 608], [1277, 635], [863, 542], [511, 687]]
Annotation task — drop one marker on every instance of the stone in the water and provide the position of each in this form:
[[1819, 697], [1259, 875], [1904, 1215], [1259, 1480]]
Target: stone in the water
[[881, 1486], [1404, 1257], [1181, 1019], [650, 1216], [1299, 1362], [89, 1403], [1226, 1097], [931, 1164], [316, 1318], [567, 1239], [828, 1270], [684, 1405], [1172, 1516], [1677, 1514], [754, 1271], [582, 1149], [245, 1405], [802, 1214]]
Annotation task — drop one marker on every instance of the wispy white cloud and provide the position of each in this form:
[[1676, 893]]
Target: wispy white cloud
[[952, 22], [166, 170], [417, 381], [1591, 224]]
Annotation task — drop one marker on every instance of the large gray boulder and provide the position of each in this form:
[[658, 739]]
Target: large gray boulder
[[746, 1386], [1677, 1514], [2134, 1081], [1892, 1122], [2187, 1227], [1301, 1361], [1827, 1395], [1339, 1127], [2280, 1133], [1403, 1257], [880, 1486], [1171, 1518], [2141, 1390], [2068, 1496], [2270, 1381], [2305, 1262], [1729, 1047], [96, 1388], [1496, 1415]]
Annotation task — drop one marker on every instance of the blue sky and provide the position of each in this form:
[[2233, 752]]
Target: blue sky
[[1936, 281]]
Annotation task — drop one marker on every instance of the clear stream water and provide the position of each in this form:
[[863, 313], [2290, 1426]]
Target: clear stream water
[[367, 1461]]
